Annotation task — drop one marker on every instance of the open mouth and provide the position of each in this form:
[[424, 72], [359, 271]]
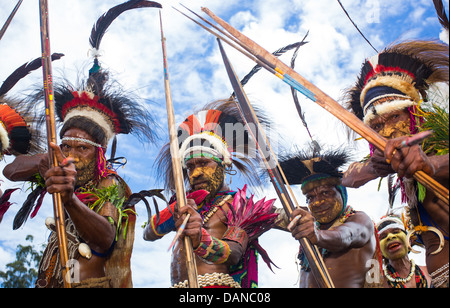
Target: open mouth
[[394, 246]]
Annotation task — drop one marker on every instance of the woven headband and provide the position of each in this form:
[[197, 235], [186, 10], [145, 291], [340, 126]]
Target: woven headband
[[390, 223], [82, 140]]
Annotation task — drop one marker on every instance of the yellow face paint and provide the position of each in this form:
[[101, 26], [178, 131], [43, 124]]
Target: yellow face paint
[[393, 244], [325, 203], [207, 175], [201, 171], [392, 125], [84, 154], [85, 171], [396, 130]]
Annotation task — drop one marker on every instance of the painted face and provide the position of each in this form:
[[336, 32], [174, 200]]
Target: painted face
[[392, 125], [325, 203], [393, 244], [204, 173], [83, 153]]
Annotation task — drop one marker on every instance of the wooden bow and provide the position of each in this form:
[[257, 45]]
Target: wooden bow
[[274, 65], [11, 16], [51, 136], [275, 172], [177, 169]]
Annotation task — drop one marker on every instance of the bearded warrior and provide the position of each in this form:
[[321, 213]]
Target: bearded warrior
[[99, 224], [224, 225]]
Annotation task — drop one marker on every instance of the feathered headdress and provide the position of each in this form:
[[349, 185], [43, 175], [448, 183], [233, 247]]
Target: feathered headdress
[[398, 77], [17, 135], [217, 132], [312, 169], [99, 107], [390, 222]]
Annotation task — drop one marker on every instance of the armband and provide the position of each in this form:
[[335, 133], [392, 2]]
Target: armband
[[237, 235], [107, 253], [155, 227], [212, 249], [165, 224]]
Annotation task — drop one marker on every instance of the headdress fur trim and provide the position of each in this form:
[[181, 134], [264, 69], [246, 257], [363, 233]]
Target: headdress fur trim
[[85, 104], [217, 147], [387, 107]]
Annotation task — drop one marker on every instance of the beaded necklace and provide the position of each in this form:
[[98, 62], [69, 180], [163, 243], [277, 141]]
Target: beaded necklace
[[209, 209], [346, 213]]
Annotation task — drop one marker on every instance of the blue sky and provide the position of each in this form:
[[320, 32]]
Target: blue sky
[[131, 49]]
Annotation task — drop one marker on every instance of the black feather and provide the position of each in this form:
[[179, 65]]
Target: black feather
[[140, 196], [297, 102], [22, 71], [392, 191], [328, 163], [293, 168], [137, 197], [20, 138], [98, 77], [106, 19], [132, 116], [24, 212], [276, 53]]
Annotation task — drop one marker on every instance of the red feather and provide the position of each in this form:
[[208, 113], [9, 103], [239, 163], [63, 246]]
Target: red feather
[[4, 202], [253, 218]]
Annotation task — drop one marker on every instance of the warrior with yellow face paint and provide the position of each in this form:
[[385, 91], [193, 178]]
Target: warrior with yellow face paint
[[345, 237], [399, 271], [225, 243], [397, 96]]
